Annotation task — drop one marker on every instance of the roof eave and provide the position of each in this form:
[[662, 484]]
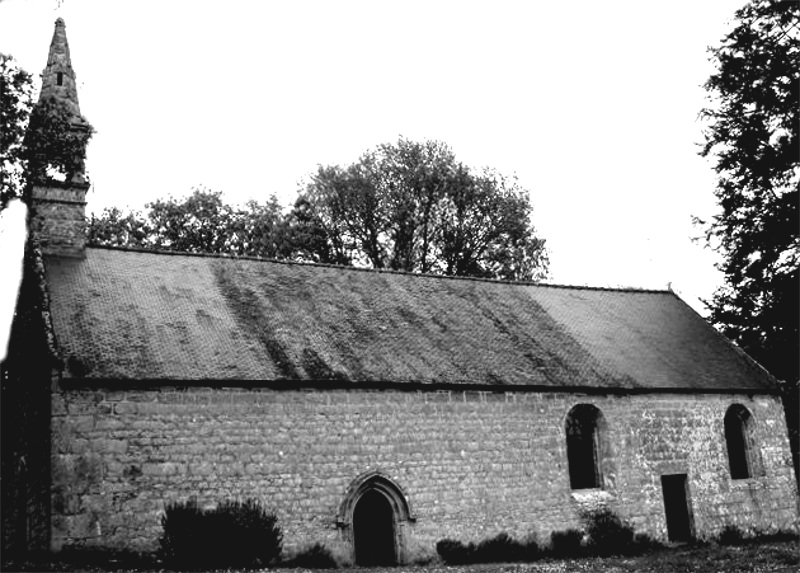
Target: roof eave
[[405, 386]]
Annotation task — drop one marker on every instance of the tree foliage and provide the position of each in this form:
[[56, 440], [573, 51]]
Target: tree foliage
[[305, 237], [199, 223], [16, 102], [37, 142], [411, 206], [55, 141], [752, 136]]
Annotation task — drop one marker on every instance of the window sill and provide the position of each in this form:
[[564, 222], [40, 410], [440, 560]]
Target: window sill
[[592, 498], [748, 481]]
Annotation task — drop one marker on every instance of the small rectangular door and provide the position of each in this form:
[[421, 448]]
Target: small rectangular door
[[676, 507]]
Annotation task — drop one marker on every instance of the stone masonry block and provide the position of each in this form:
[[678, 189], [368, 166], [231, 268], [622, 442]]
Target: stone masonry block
[[470, 463]]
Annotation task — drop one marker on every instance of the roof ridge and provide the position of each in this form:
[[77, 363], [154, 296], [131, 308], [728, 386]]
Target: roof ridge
[[373, 270]]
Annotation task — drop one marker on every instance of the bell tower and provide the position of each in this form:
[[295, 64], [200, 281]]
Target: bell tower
[[58, 208], [58, 77]]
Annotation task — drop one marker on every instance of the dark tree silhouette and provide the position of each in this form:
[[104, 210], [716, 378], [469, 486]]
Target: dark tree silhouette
[[16, 102], [752, 136]]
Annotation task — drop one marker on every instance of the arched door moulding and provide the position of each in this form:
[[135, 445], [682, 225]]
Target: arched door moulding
[[377, 481]]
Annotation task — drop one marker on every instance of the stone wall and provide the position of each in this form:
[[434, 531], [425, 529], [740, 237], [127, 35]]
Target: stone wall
[[471, 464], [58, 218]]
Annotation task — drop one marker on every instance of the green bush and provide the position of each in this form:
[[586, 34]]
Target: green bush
[[454, 552], [315, 557], [730, 535], [501, 548], [234, 534], [776, 536], [531, 550], [608, 534], [733, 535], [566, 543], [642, 543]]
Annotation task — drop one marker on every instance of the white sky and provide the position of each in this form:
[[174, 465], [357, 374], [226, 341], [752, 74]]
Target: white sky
[[592, 104]]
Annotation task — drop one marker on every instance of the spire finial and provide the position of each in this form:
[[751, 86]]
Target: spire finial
[[58, 77]]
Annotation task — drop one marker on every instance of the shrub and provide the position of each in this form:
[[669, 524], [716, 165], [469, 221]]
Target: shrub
[[608, 534], [315, 557], [498, 549], [776, 536], [235, 534], [501, 547], [566, 543], [730, 535], [454, 552], [531, 550], [642, 543]]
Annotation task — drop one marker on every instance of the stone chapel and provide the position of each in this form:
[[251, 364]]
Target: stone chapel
[[375, 412]]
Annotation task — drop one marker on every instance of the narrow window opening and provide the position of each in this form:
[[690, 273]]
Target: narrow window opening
[[743, 457], [583, 447], [60, 78]]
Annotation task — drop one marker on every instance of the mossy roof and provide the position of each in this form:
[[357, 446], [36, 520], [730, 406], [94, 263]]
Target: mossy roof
[[129, 315]]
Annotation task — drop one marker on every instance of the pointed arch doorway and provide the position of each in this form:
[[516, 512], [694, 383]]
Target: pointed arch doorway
[[374, 530], [373, 518]]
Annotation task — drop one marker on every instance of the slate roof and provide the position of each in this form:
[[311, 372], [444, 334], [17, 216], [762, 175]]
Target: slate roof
[[128, 315]]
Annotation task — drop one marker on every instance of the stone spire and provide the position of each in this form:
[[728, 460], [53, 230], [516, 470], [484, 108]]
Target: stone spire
[[57, 216], [58, 77]]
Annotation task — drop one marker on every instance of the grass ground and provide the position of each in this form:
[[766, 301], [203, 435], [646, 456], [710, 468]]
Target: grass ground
[[770, 557]]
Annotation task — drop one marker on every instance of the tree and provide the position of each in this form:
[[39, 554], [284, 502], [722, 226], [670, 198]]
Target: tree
[[306, 238], [260, 230], [483, 230], [753, 137], [16, 102], [45, 141], [411, 206], [115, 229], [405, 206], [55, 142], [199, 223]]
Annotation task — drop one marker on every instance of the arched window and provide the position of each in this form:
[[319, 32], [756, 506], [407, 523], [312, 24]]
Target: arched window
[[584, 428], [743, 456]]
